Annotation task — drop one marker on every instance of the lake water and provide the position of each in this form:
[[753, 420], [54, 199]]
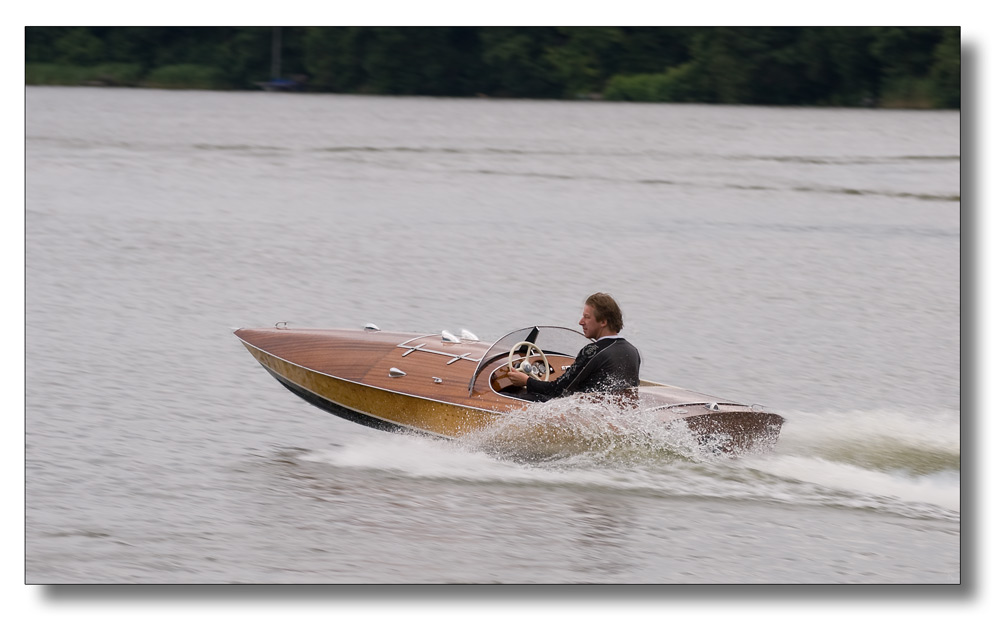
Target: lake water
[[805, 259]]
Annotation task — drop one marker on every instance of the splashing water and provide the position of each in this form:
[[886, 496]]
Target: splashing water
[[592, 430]]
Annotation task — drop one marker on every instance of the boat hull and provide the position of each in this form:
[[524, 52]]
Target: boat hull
[[422, 383], [374, 406]]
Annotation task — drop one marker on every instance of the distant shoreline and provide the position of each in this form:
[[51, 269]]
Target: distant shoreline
[[104, 84], [833, 67]]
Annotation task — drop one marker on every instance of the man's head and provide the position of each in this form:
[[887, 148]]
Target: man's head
[[601, 316]]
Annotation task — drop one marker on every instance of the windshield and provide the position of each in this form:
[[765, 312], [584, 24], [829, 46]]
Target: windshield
[[551, 340]]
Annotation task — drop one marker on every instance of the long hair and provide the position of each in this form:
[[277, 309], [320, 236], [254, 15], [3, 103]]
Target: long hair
[[606, 309]]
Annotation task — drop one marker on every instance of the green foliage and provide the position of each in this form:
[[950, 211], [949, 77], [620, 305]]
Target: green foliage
[[393, 60], [244, 57], [839, 69], [905, 51], [898, 67], [907, 92], [677, 84], [920, 66], [580, 58], [648, 49], [833, 66], [186, 76], [946, 73], [633, 88], [422, 61], [514, 62], [106, 74], [333, 58], [78, 46], [55, 74]]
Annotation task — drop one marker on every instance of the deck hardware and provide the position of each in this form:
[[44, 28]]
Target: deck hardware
[[712, 406], [420, 347], [281, 325], [437, 380], [371, 327], [447, 336], [395, 372], [469, 336]]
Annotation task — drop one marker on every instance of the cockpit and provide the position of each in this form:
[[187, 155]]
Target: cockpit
[[541, 351]]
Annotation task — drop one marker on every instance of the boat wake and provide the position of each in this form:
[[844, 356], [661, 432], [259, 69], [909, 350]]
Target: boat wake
[[878, 440], [868, 461], [867, 458]]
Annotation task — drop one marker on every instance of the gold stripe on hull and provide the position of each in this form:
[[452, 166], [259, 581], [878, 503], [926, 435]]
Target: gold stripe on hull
[[446, 419]]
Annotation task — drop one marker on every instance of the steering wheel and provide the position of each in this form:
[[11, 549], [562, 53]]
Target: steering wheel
[[532, 369]]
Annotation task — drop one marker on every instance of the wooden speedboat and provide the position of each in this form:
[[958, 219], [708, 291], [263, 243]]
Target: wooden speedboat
[[451, 386]]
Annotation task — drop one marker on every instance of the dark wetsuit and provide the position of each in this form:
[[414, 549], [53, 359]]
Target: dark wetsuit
[[607, 365]]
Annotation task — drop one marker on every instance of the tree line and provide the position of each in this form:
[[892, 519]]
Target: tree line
[[824, 66]]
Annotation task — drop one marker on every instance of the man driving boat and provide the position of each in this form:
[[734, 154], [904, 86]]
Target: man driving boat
[[610, 363]]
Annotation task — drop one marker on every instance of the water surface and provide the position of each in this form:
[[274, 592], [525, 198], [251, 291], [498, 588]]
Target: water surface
[[805, 259]]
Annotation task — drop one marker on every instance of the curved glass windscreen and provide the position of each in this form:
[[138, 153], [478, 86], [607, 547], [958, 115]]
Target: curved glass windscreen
[[552, 340]]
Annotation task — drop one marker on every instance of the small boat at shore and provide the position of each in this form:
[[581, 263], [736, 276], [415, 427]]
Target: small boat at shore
[[451, 386]]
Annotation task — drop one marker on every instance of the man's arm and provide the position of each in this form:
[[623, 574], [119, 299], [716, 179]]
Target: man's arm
[[557, 387]]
